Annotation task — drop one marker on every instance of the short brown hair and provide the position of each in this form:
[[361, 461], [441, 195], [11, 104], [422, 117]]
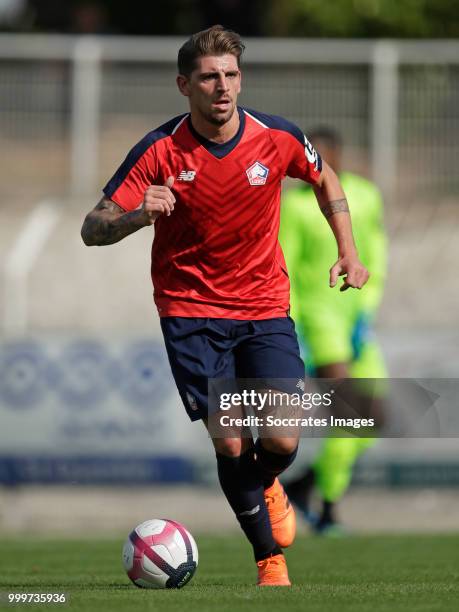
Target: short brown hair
[[213, 41]]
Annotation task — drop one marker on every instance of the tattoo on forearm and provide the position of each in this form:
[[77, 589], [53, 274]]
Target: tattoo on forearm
[[333, 207], [109, 223]]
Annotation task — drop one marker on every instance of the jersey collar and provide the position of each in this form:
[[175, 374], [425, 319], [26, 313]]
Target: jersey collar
[[220, 150]]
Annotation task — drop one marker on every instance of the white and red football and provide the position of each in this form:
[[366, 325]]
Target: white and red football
[[160, 554]]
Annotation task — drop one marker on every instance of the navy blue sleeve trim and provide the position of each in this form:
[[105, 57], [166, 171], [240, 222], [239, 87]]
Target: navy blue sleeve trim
[[319, 161], [137, 151], [278, 123]]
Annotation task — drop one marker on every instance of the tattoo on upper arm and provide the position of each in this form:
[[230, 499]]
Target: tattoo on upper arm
[[335, 206]]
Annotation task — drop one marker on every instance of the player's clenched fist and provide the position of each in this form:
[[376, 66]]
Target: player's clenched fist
[[158, 200], [356, 275]]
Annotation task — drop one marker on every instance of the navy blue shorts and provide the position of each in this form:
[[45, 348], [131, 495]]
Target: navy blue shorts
[[200, 349]]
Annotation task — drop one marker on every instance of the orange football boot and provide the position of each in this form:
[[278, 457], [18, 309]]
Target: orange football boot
[[272, 571], [281, 514]]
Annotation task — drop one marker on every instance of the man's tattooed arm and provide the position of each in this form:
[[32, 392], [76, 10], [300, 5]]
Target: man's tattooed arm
[[331, 199], [108, 223], [333, 207]]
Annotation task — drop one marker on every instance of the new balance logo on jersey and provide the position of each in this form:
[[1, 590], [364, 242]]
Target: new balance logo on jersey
[[257, 174], [186, 175]]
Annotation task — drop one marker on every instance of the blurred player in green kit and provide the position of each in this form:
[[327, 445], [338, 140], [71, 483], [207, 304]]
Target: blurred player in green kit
[[334, 327]]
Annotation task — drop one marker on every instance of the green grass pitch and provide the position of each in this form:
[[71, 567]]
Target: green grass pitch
[[396, 573]]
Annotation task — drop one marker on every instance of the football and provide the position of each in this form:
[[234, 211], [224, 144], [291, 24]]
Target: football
[[160, 554]]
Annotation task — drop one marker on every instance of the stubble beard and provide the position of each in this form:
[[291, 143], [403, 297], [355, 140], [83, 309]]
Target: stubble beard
[[221, 118]]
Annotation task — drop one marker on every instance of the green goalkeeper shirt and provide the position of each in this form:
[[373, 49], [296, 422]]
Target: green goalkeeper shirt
[[310, 250]]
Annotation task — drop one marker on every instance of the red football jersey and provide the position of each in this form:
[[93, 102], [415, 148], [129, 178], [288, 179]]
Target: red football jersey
[[217, 254]]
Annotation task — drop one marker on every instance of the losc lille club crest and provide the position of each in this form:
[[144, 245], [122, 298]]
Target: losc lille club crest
[[257, 174]]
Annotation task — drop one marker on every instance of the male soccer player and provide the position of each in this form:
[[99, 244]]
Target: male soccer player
[[209, 180], [335, 329]]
